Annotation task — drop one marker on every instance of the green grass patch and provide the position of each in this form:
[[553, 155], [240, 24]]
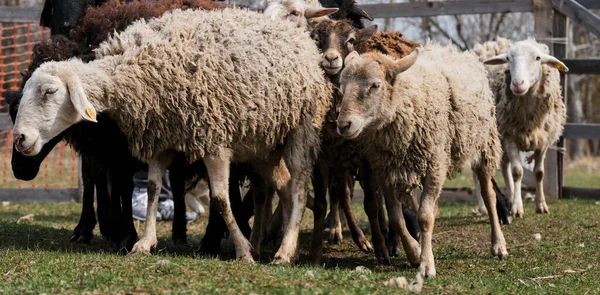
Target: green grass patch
[[37, 257]]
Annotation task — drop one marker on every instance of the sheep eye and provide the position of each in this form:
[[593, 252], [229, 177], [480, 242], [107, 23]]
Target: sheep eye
[[375, 85], [50, 91], [295, 13], [538, 58], [507, 59]]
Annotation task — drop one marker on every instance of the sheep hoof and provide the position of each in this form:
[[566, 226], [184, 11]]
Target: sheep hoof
[[543, 209], [427, 272], [281, 261], [143, 246], [384, 260], [335, 240], [365, 246], [81, 238], [247, 259], [517, 213], [394, 252]]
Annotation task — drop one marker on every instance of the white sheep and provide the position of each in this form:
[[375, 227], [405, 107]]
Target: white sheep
[[300, 12], [421, 119], [222, 86], [529, 107]]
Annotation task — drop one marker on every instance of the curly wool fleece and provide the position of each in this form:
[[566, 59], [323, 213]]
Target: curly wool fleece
[[207, 82], [441, 105]]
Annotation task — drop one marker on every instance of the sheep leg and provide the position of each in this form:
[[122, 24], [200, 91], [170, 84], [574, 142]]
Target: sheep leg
[[177, 179], [320, 180], [398, 224], [292, 196], [489, 197], [508, 180], [481, 207], [432, 188], [373, 209], [123, 185], [357, 234], [218, 169], [383, 223], [156, 168], [540, 200], [275, 225], [104, 204], [260, 191], [335, 231], [517, 172], [87, 221]]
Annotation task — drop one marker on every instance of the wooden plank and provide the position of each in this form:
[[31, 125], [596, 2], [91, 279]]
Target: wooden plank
[[5, 122], [579, 14], [418, 9], [15, 14], [40, 195], [542, 27], [583, 66], [581, 193], [590, 4], [582, 131]]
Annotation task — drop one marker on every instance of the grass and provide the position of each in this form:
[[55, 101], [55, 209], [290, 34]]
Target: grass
[[36, 257]]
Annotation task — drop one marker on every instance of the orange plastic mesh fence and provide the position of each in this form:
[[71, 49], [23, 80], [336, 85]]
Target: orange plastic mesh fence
[[59, 169]]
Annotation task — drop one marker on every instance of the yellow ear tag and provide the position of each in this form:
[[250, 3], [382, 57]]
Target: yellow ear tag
[[560, 67], [90, 113]]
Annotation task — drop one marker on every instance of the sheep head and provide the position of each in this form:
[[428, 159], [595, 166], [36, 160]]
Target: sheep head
[[366, 83], [53, 100], [297, 11], [336, 39], [525, 60]]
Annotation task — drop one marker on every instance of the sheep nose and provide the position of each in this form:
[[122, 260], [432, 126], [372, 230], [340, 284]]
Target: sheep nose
[[18, 138], [344, 126], [518, 82], [331, 57]]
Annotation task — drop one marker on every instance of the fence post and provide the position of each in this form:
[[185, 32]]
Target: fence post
[[543, 28], [560, 29]]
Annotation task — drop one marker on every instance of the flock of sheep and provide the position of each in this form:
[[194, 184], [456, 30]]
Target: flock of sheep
[[295, 92]]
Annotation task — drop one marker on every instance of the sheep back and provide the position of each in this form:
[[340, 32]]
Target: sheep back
[[389, 43], [208, 81]]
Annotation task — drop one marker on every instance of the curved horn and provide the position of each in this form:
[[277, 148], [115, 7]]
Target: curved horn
[[357, 11], [406, 62]]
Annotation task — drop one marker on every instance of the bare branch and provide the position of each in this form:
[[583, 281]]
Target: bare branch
[[459, 31], [499, 23], [443, 32]]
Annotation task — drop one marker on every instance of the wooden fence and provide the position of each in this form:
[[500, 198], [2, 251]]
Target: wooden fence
[[550, 16]]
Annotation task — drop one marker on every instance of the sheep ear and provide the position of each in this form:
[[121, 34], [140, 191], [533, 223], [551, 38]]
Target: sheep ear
[[80, 100], [350, 56], [318, 12], [554, 62], [497, 60], [366, 33]]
